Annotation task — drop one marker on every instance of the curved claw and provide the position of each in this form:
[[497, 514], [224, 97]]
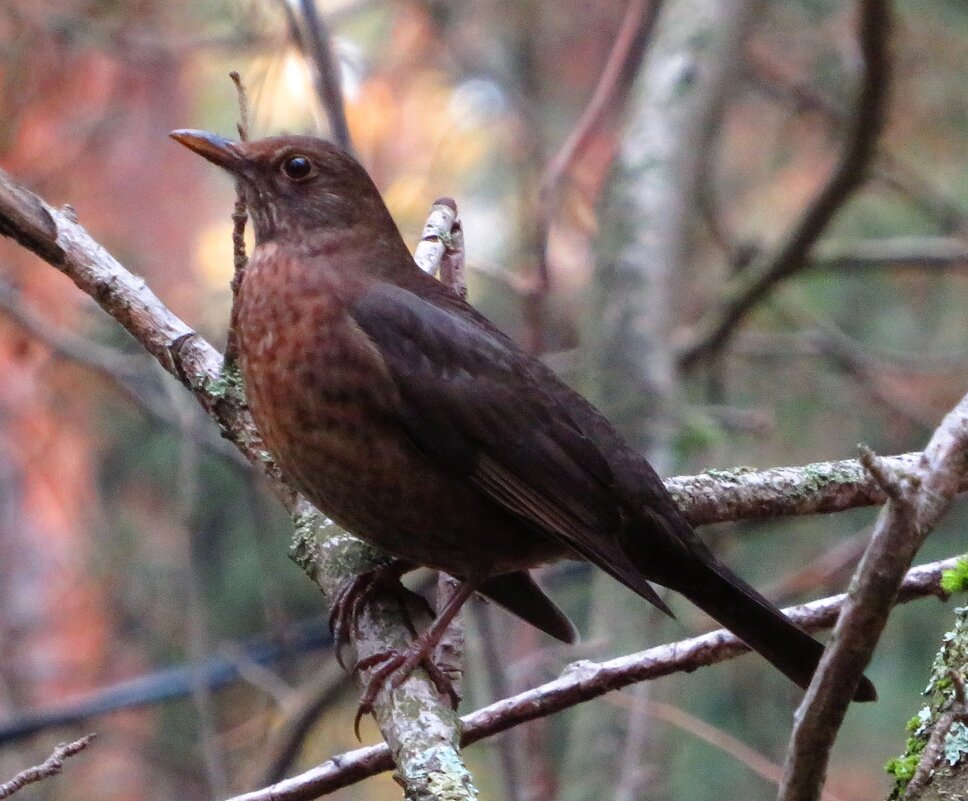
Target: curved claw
[[400, 665], [350, 599]]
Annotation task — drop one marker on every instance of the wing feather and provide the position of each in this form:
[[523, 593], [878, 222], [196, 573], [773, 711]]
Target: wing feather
[[478, 406]]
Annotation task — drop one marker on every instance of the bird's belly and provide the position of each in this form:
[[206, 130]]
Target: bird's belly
[[372, 481], [323, 405]]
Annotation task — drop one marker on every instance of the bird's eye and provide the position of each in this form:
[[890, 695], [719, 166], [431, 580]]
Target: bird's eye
[[297, 168]]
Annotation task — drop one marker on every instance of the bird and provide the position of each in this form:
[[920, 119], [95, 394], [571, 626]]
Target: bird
[[411, 420]]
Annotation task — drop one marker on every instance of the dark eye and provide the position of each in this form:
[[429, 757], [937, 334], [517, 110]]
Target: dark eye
[[297, 168]]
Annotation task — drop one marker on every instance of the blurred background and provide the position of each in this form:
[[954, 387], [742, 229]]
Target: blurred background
[[614, 172]]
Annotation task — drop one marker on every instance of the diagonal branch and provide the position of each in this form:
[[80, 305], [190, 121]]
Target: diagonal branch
[[917, 501], [791, 256], [423, 754], [317, 44]]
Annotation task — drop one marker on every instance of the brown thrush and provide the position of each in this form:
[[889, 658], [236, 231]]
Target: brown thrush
[[410, 419]]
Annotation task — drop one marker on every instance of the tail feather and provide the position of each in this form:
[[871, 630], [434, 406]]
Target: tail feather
[[518, 593], [763, 627]]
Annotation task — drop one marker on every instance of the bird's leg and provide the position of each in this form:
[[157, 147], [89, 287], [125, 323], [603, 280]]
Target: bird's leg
[[350, 599], [400, 664]]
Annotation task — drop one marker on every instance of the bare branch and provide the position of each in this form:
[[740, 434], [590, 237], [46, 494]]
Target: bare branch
[[718, 496], [926, 252], [913, 511], [580, 682], [792, 255], [51, 766]]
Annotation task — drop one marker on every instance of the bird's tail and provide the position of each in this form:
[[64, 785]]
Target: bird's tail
[[764, 628]]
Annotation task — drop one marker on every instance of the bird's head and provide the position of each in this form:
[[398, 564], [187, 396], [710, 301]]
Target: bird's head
[[293, 185]]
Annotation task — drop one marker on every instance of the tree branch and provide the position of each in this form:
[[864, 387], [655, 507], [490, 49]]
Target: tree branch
[[917, 501], [425, 754], [791, 256], [581, 682], [51, 766]]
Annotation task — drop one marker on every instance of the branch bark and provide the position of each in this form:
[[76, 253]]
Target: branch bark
[[51, 766]]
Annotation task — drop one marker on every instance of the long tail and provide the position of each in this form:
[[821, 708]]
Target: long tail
[[764, 628]]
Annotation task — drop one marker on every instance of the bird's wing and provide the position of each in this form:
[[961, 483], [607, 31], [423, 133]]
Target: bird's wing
[[481, 408]]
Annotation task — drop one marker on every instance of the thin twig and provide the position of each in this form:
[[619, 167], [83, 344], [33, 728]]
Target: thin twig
[[51, 766], [760, 764], [240, 217], [792, 255]]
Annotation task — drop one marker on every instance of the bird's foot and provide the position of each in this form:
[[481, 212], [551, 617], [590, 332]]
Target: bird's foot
[[355, 593], [395, 666]]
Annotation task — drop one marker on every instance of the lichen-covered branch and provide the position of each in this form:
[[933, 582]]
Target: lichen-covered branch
[[935, 763], [743, 493]]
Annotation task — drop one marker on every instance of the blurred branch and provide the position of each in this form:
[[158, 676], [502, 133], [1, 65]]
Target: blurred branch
[[610, 95], [782, 346], [792, 256], [771, 76], [115, 365], [51, 766], [832, 567], [855, 360], [304, 708], [760, 764], [935, 252], [196, 632], [583, 681], [918, 499], [169, 683]]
